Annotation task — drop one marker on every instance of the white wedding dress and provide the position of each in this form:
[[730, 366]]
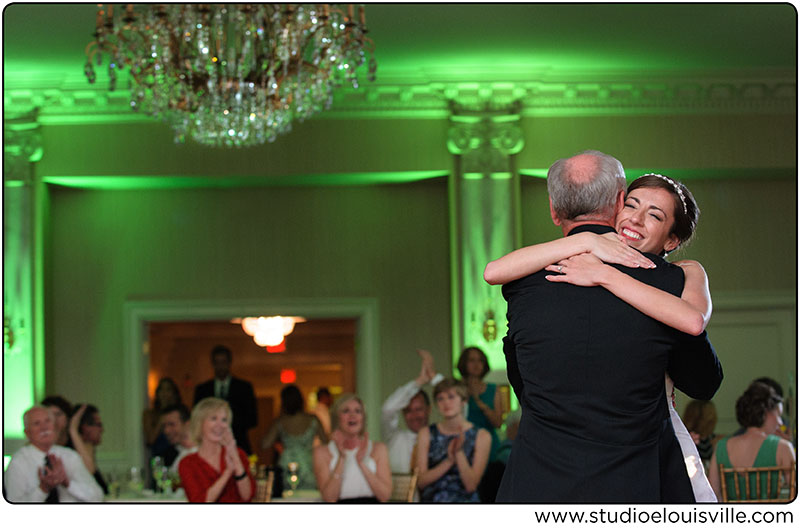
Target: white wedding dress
[[703, 492]]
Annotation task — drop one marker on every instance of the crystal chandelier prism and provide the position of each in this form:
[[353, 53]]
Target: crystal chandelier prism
[[231, 74]]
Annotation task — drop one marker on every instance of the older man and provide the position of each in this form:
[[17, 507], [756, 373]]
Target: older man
[[588, 368], [416, 408], [176, 424], [44, 472]]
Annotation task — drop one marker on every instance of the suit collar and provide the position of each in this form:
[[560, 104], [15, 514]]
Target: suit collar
[[594, 228]]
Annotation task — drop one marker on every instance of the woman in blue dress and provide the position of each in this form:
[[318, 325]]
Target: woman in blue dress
[[451, 454]]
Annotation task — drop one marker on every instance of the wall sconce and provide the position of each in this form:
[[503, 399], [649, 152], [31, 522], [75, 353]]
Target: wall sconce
[[489, 327]]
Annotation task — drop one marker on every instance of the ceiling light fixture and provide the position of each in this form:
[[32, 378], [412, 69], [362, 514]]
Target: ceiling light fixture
[[268, 331], [231, 74]]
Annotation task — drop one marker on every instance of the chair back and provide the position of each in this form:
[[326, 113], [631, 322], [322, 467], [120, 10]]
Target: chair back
[[404, 486], [264, 481], [758, 484]]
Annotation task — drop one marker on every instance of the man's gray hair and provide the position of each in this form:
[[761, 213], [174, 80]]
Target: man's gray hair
[[593, 194], [31, 410]]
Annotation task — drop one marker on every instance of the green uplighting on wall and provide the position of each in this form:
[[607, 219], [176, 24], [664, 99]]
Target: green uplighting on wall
[[694, 174], [130, 182], [536, 173]]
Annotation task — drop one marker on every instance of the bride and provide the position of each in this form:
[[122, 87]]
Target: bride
[[660, 215]]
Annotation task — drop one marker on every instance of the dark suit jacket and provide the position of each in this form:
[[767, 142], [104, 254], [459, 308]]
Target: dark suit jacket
[[242, 401], [588, 370]]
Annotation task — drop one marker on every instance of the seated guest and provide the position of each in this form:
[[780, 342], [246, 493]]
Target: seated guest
[[412, 400], [85, 433], [219, 471], [323, 409], [700, 419], [62, 410], [783, 431], [452, 454], [351, 468], [758, 411], [167, 394], [45, 472], [176, 424]]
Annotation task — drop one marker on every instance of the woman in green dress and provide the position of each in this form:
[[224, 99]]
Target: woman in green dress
[[759, 411], [295, 430]]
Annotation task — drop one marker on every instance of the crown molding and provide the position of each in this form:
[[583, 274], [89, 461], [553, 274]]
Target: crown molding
[[70, 99]]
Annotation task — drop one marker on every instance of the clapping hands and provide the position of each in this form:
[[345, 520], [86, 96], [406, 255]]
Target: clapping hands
[[362, 448], [475, 387], [427, 370], [456, 444], [231, 451], [50, 478], [228, 440]]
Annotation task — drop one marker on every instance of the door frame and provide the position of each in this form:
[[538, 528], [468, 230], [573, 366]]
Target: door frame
[[137, 315]]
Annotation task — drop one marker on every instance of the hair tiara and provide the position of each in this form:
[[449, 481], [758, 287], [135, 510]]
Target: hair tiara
[[675, 185]]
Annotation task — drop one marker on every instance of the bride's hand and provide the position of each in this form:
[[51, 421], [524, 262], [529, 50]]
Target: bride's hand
[[612, 248], [584, 270]]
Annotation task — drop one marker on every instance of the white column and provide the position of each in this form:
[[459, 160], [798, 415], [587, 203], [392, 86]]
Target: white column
[[485, 223], [23, 362]]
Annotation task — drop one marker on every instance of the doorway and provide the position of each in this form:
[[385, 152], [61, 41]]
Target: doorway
[[319, 353], [139, 315]]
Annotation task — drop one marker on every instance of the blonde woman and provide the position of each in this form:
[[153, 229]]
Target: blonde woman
[[351, 468], [219, 471]]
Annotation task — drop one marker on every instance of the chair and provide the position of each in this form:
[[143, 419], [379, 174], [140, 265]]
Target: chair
[[759, 484], [264, 481], [404, 486]]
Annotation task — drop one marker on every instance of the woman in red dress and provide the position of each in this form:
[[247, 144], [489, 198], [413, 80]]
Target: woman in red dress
[[219, 471]]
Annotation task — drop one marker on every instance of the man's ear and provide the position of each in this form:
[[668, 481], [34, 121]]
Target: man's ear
[[556, 220], [619, 205]]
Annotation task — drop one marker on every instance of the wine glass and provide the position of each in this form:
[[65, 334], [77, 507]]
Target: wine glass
[[157, 467], [112, 478], [294, 479], [135, 484], [166, 480]]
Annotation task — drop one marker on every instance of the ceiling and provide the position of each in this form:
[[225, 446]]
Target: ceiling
[[439, 59], [418, 43]]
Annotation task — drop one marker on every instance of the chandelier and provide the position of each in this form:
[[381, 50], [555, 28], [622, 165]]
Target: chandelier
[[268, 331], [231, 74]]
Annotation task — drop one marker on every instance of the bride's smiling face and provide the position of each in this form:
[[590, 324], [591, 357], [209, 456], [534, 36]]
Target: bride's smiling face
[[647, 220]]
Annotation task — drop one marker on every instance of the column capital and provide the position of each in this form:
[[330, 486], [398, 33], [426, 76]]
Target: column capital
[[485, 137], [22, 145]]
